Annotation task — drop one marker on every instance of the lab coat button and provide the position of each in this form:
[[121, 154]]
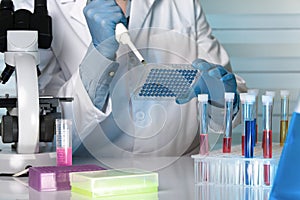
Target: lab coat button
[[111, 74]]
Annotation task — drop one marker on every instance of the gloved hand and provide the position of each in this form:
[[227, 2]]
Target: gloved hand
[[215, 80], [102, 16]]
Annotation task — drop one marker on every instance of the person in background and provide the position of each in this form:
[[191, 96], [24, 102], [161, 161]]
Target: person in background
[[87, 63], [166, 32]]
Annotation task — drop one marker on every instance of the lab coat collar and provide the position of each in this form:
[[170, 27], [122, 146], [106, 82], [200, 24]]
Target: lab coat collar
[[77, 11], [66, 1]]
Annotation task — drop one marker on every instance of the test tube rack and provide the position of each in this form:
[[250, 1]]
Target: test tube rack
[[220, 168]]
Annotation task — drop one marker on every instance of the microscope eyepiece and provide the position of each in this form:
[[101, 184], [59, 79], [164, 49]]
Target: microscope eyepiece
[[6, 22], [40, 7], [7, 5], [41, 21]]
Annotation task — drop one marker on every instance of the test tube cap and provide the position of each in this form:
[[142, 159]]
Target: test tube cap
[[253, 91], [202, 97], [229, 96], [270, 93], [284, 93], [267, 99], [250, 98], [243, 97]]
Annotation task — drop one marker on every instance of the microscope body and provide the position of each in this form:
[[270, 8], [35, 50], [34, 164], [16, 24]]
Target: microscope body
[[29, 122], [22, 53]]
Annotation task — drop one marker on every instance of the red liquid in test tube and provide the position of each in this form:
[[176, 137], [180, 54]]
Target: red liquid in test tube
[[267, 152], [227, 145], [242, 99], [227, 136], [267, 134], [243, 145], [267, 148]]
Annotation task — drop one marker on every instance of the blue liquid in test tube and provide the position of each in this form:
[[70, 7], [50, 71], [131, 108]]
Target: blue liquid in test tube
[[249, 138], [250, 130]]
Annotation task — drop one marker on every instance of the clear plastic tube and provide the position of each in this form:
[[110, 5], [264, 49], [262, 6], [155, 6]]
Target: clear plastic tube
[[249, 134], [272, 94], [284, 115], [242, 100], [267, 134], [249, 125], [203, 123], [267, 125], [227, 137], [63, 142], [255, 93]]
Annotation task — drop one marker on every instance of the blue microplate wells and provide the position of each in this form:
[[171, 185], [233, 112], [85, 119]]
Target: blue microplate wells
[[167, 81]]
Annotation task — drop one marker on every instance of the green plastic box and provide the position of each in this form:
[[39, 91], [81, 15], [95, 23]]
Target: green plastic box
[[114, 182]]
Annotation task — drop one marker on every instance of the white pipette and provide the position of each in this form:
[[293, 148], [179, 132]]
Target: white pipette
[[122, 36]]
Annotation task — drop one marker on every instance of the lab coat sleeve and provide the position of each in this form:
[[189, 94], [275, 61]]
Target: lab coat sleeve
[[215, 53], [82, 86], [96, 73]]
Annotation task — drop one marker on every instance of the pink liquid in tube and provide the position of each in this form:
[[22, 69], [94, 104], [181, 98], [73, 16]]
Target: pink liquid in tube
[[63, 156], [63, 142], [204, 147]]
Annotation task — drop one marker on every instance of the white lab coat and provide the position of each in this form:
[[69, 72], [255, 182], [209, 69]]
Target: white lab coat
[[129, 127]]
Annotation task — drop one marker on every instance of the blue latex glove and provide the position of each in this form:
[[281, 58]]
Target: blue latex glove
[[215, 80], [102, 16]]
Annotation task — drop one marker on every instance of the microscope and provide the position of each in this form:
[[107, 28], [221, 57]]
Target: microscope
[[27, 129]]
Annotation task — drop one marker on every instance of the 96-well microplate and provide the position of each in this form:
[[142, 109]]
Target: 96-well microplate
[[167, 82]]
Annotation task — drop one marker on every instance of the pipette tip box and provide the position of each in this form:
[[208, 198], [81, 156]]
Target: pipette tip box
[[107, 183], [234, 169], [54, 178]]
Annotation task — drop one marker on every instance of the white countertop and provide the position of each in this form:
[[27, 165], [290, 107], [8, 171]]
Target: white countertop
[[176, 181]]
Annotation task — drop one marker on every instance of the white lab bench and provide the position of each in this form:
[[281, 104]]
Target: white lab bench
[[176, 181]]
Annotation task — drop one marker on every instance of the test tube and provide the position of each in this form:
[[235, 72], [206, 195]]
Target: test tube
[[267, 125], [63, 129], [272, 94], [203, 123], [284, 94], [227, 137], [249, 136], [267, 134], [255, 93], [249, 125], [242, 99]]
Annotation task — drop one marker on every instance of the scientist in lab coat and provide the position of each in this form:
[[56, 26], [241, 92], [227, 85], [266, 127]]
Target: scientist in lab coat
[[102, 76]]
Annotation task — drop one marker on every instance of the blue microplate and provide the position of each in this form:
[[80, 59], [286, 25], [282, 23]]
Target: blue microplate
[[167, 81]]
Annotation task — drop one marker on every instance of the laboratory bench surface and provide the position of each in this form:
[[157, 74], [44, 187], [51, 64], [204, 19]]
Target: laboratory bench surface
[[176, 181]]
